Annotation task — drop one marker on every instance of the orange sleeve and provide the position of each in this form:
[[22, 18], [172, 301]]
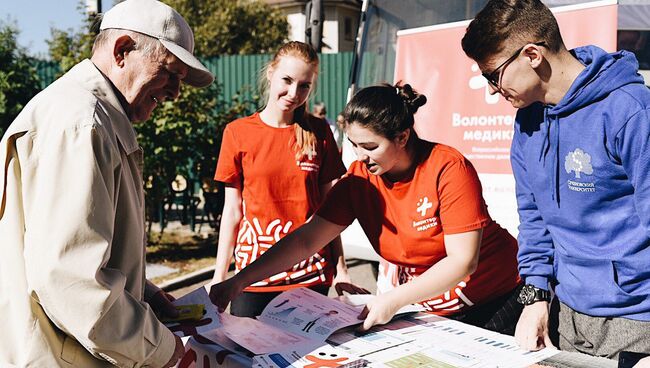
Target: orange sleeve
[[229, 166], [462, 207], [332, 166]]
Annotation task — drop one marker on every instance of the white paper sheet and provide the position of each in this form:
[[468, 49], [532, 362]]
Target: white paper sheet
[[259, 337], [210, 319], [310, 314], [299, 319], [456, 344]]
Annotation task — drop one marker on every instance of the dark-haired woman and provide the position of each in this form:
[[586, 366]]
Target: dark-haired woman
[[420, 204]]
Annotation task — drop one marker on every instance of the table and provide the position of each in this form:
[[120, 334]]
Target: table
[[215, 350]]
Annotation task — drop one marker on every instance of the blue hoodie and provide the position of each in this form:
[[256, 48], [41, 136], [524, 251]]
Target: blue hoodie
[[582, 171]]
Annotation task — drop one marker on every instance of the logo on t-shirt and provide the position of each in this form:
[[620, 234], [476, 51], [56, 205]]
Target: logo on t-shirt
[[579, 162], [423, 206], [253, 240]]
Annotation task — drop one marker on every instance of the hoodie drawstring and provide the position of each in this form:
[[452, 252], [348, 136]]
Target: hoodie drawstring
[[546, 148], [546, 144], [557, 160]]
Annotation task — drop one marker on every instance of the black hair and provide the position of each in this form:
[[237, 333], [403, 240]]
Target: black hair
[[385, 109]]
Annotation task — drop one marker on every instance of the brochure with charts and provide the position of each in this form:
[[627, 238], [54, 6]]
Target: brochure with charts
[[297, 319]]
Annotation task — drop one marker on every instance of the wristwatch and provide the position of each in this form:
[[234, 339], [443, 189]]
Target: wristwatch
[[530, 294]]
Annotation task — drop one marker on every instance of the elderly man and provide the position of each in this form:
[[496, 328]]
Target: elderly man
[[72, 283]]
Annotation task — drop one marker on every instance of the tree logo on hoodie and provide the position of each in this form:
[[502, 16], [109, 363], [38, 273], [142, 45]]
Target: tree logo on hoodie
[[578, 161]]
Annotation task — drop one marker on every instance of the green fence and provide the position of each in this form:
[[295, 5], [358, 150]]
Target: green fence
[[333, 81], [47, 71], [237, 73]]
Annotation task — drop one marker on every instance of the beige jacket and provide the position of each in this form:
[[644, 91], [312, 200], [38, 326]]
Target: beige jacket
[[72, 255]]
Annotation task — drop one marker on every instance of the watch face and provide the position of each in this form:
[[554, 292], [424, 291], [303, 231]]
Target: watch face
[[527, 294]]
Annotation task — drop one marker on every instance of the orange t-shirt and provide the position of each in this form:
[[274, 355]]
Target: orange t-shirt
[[279, 193], [406, 222]]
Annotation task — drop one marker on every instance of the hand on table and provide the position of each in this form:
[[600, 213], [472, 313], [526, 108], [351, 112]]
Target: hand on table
[[378, 311], [531, 332], [222, 293], [341, 277]]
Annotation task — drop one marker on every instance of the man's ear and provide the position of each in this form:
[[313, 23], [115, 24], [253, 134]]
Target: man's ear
[[121, 48], [534, 54]]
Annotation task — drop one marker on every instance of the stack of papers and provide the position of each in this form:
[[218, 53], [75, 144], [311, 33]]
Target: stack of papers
[[302, 328]]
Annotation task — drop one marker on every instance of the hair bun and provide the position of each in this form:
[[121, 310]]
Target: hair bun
[[412, 99], [418, 101]]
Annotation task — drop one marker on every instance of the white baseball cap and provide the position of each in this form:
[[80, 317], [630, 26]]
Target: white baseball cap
[[158, 20]]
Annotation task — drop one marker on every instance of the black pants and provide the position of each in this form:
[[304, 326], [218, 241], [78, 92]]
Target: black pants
[[500, 315], [251, 304]]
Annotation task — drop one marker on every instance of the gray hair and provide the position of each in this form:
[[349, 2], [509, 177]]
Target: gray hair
[[146, 44]]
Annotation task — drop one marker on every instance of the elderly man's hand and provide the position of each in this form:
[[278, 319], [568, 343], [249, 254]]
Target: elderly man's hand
[[222, 293], [161, 303], [179, 351]]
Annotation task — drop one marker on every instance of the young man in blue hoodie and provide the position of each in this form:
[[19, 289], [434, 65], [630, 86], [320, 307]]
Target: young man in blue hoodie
[[581, 160]]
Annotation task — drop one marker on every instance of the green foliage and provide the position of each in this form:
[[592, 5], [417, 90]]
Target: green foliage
[[233, 26], [184, 137], [18, 80], [69, 47]]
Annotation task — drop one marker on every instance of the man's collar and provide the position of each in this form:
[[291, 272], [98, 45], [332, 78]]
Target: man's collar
[[96, 82], [120, 97]]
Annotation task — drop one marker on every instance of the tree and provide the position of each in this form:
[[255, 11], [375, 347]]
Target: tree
[[233, 26], [68, 47], [18, 80], [183, 137]]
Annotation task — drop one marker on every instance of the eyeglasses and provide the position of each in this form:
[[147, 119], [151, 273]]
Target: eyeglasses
[[495, 77]]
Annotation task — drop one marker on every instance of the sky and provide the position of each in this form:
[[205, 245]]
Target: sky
[[35, 18]]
